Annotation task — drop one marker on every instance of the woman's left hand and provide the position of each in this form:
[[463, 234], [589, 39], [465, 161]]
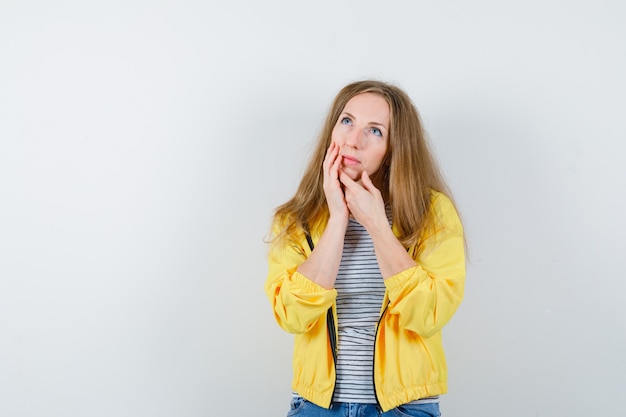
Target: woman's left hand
[[365, 201]]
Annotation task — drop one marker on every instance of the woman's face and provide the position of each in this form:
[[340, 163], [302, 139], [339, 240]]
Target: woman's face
[[362, 133]]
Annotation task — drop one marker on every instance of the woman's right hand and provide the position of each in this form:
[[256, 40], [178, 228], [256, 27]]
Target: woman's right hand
[[323, 263], [333, 190]]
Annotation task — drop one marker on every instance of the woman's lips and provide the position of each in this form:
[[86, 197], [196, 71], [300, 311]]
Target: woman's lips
[[349, 160]]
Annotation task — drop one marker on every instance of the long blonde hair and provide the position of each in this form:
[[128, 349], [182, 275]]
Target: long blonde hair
[[408, 173]]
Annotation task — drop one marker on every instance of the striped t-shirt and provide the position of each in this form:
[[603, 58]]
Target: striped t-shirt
[[360, 291]]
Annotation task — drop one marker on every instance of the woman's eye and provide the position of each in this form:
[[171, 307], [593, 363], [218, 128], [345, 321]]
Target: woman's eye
[[376, 131], [346, 121]]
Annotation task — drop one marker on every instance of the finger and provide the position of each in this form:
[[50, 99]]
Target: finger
[[337, 164], [366, 181], [328, 152], [331, 157], [335, 153], [347, 181]]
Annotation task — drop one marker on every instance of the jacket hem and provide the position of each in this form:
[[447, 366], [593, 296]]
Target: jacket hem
[[321, 399], [392, 400]]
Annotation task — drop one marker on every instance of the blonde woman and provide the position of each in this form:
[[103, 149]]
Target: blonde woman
[[367, 263]]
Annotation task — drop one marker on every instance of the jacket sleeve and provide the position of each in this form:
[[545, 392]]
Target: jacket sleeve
[[297, 301], [425, 297]]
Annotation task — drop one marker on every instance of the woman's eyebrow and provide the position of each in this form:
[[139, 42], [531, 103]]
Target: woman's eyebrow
[[378, 124], [371, 123]]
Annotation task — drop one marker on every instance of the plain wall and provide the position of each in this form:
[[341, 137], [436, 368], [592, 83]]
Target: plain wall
[[144, 145]]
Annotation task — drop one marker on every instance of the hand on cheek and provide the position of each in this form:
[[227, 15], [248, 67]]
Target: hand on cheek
[[332, 186]]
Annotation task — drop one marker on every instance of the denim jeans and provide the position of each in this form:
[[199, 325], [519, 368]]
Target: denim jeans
[[303, 408]]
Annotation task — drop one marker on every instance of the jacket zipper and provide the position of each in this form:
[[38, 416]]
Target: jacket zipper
[[332, 335], [374, 356], [330, 322]]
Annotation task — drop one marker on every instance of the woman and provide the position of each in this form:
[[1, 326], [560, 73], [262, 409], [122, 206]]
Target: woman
[[367, 263]]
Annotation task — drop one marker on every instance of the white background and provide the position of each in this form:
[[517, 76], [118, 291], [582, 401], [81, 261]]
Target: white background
[[144, 144]]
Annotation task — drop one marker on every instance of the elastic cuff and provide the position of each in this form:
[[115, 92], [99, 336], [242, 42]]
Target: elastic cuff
[[399, 280], [307, 285]]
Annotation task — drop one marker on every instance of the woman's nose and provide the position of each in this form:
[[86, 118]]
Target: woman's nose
[[353, 139]]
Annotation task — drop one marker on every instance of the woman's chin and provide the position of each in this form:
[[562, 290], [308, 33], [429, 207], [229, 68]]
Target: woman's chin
[[354, 174]]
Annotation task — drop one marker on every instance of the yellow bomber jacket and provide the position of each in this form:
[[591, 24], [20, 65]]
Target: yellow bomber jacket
[[409, 361]]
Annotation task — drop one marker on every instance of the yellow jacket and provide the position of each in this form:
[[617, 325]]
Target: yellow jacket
[[409, 361]]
